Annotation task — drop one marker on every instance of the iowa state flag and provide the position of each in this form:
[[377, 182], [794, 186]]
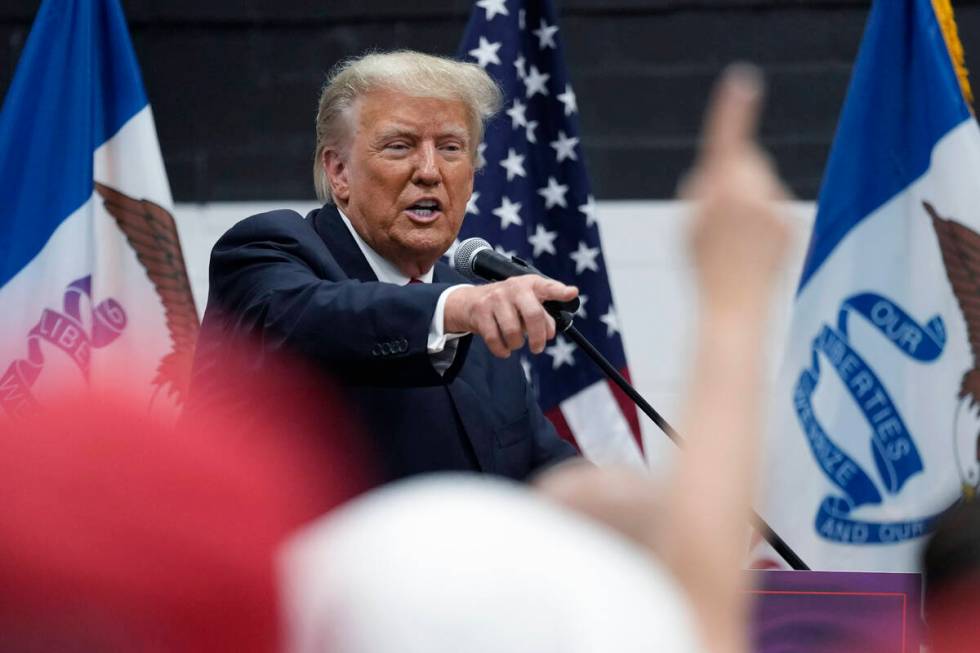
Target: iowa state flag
[[92, 280], [878, 410]]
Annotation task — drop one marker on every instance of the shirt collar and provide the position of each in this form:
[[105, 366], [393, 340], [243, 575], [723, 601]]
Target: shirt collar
[[383, 269]]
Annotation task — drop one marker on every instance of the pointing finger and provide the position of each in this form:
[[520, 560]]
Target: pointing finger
[[733, 114], [551, 289]]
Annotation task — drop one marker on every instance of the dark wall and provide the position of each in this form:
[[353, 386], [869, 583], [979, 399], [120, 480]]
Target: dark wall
[[234, 84]]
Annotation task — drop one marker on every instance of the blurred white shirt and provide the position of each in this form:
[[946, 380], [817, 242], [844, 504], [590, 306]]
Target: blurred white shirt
[[464, 564]]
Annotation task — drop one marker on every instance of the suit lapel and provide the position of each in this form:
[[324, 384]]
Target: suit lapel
[[471, 361], [338, 239], [443, 273], [470, 409]]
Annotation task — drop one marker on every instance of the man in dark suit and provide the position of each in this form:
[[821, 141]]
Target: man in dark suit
[[357, 287]]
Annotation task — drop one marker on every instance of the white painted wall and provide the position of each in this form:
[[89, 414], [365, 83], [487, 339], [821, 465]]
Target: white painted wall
[[645, 246]]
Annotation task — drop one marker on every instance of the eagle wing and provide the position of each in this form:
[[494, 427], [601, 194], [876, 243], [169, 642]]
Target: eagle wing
[[960, 247], [152, 233]]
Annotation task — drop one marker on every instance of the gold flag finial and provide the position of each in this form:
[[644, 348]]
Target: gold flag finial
[[944, 14]]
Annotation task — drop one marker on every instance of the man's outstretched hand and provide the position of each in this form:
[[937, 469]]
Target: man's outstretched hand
[[505, 312]]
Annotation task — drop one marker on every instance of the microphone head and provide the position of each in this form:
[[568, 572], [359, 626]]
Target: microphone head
[[465, 253]]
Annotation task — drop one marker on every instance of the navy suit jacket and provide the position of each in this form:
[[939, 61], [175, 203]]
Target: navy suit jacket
[[302, 286]]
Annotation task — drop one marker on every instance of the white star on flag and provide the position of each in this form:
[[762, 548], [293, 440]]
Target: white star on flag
[[508, 212], [471, 206], [486, 53], [553, 194], [585, 258], [513, 164], [480, 159], [546, 35], [516, 113], [493, 7], [589, 209], [582, 299], [568, 99], [529, 131], [519, 65], [561, 353], [521, 15], [509, 253], [542, 241], [536, 82], [565, 147], [611, 320]]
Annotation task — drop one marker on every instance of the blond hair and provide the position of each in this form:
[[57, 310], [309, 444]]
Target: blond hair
[[405, 71]]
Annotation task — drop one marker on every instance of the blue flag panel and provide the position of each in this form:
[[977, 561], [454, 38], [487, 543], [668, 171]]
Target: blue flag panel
[[76, 84], [890, 123]]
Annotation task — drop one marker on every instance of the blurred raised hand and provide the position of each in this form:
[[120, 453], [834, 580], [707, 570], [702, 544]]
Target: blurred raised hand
[[695, 521], [739, 234]]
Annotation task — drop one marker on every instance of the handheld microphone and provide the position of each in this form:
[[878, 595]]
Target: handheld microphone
[[476, 259]]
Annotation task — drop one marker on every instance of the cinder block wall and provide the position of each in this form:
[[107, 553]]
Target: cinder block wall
[[233, 83]]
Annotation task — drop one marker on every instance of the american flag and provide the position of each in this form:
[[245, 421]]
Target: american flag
[[532, 199]]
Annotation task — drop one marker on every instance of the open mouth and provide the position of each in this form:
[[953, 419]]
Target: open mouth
[[424, 209]]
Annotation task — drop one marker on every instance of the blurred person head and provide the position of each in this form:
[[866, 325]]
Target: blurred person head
[[465, 563], [951, 570], [397, 138], [119, 532]]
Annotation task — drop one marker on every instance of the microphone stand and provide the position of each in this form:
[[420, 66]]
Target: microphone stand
[[563, 313], [563, 321]]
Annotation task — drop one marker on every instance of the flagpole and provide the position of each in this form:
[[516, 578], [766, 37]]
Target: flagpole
[[563, 320]]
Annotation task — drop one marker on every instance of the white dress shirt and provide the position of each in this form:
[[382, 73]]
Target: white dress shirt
[[441, 345]]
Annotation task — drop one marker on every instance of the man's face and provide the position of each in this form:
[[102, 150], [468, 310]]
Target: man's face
[[407, 176]]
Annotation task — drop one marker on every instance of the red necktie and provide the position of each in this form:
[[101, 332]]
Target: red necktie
[[414, 280]]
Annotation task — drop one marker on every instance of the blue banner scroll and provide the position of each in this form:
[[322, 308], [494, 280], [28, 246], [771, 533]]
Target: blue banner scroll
[[896, 457], [73, 330]]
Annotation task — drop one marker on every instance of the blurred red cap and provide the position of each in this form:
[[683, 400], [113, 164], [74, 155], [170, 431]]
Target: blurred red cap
[[119, 532]]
